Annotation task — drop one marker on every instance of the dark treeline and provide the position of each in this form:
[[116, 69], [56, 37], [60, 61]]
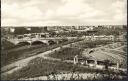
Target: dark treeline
[[23, 30]]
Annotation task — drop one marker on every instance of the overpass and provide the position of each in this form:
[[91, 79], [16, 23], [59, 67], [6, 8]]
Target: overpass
[[44, 38], [47, 41]]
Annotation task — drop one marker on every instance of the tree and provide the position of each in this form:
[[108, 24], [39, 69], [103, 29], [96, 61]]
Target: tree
[[20, 30], [36, 30]]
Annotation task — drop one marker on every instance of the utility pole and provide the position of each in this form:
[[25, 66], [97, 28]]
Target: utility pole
[[76, 59]]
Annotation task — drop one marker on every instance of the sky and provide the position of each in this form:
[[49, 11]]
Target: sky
[[63, 12]]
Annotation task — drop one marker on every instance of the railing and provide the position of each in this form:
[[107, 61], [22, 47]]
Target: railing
[[49, 38]]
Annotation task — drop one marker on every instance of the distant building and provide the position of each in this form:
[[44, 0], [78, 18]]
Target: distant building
[[101, 37], [104, 37], [12, 30], [122, 37], [29, 29]]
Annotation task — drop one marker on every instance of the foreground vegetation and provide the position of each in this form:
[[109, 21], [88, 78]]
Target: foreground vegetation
[[13, 53], [42, 67]]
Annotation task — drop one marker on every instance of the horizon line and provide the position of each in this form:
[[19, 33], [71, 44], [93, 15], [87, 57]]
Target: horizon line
[[67, 25]]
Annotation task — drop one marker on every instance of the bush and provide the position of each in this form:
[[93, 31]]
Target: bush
[[38, 67], [24, 52], [66, 53], [6, 44], [43, 67]]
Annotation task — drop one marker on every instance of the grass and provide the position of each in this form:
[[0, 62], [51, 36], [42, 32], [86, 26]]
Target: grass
[[69, 52], [42, 67], [124, 49], [93, 44], [118, 52], [6, 44], [121, 53], [38, 67], [27, 51], [66, 53], [9, 57], [9, 69]]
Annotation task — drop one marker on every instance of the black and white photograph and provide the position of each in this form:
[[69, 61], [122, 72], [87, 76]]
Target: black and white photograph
[[63, 40]]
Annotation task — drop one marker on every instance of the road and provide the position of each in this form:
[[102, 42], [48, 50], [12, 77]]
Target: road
[[21, 63]]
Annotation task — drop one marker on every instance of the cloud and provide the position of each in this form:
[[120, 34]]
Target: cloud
[[57, 12], [10, 22], [15, 11], [120, 11]]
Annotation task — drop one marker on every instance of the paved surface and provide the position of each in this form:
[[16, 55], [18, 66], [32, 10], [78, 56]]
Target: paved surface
[[21, 63]]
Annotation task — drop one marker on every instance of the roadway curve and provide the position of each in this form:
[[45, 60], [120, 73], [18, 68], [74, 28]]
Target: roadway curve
[[21, 63]]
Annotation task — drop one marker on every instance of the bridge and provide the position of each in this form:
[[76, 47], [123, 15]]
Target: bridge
[[47, 41], [43, 38]]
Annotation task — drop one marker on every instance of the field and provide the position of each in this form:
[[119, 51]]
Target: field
[[112, 52], [20, 52], [66, 53], [76, 49], [42, 67]]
